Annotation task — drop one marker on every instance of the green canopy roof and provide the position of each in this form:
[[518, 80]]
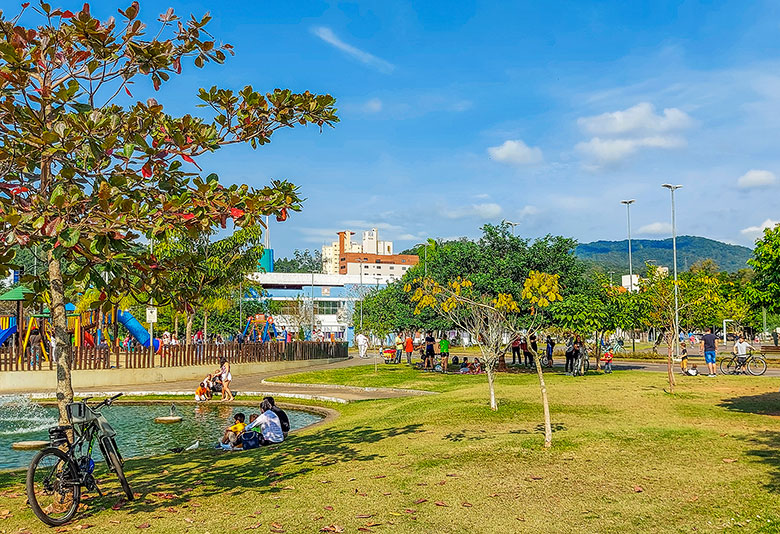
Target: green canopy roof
[[16, 294]]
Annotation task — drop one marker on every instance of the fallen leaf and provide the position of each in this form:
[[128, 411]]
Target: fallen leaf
[[534, 477], [440, 503], [172, 510], [364, 516], [386, 493], [420, 501], [332, 528], [410, 511], [114, 521], [466, 505], [189, 520], [380, 476], [328, 508], [5, 514], [82, 527], [143, 525], [325, 481], [441, 483], [493, 495], [372, 524], [165, 472], [351, 479], [288, 488], [119, 504], [452, 474], [729, 460], [364, 529], [520, 518], [252, 527], [422, 484], [638, 489]]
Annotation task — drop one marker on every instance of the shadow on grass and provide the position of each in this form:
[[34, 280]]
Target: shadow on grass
[[169, 481], [763, 404], [765, 446]]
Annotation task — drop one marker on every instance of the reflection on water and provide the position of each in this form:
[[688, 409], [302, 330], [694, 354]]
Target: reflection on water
[[138, 434]]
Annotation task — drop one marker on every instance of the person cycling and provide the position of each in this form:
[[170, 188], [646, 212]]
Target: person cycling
[[741, 350]]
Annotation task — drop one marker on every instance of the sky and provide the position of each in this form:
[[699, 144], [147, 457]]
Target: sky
[[547, 114]]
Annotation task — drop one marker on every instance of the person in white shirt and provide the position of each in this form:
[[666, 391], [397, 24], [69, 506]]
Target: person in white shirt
[[270, 428], [362, 343], [741, 349]]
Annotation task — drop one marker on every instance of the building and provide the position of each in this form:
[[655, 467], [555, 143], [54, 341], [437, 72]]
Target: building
[[371, 257], [325, 301]]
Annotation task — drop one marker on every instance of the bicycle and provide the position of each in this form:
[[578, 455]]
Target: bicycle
[[753, 364], [57, 473]]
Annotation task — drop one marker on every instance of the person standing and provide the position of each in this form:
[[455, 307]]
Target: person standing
[[516, 349], [409, 348], [430, 350], [362, 344], [709, 346], [550, 349], [527, 360], [444, 351], [399, 347]]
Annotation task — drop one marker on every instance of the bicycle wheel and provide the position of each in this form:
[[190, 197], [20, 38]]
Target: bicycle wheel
[[756, 366], [729, 366], [116, 465], [53, 490]]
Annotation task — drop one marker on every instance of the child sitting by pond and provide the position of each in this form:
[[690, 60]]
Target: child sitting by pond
[[233, 433], [202, 393]]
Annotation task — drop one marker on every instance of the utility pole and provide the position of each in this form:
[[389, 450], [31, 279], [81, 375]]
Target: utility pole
[[630, 265]]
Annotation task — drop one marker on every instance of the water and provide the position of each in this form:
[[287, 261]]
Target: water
[[137, 433]]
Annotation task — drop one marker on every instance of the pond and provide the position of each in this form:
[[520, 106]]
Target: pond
[[138, 434]]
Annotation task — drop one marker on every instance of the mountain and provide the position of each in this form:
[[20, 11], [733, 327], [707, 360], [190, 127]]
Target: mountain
[[613, 255]]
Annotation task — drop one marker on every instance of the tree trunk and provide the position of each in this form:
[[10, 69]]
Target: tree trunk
[[598, 350], [176, 324], [205, 324], [491, 377], [60, 351], [545, 403], [669, 369], [502, 362], [188, 330]]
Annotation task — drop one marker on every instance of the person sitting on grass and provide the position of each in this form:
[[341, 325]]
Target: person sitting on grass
[[202, 393], [475, 368], [464, 365], [232, 436], [269, 425], [284, 421]]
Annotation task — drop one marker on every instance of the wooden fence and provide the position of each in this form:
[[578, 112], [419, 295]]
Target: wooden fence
[[177, 355]]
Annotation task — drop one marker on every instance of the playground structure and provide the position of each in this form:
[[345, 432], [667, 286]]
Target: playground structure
[[254, 323], [86, 329]]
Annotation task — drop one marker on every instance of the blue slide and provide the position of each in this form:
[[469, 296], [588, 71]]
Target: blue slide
[[5, 334], [136, 329]]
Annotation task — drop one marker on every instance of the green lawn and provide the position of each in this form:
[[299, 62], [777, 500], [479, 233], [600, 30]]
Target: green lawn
[[626, 457]]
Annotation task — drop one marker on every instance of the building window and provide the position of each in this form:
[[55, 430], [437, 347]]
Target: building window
[[289, 307], [391, 267], [326, 307]]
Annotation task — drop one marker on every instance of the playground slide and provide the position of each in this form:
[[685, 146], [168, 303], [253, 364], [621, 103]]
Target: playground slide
[[5, 334], [136, 329], [89, 341]]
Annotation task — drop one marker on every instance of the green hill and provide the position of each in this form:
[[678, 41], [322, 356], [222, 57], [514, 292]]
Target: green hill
[[613, 255]]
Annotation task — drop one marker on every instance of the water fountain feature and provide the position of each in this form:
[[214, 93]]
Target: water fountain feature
[[22, 419]]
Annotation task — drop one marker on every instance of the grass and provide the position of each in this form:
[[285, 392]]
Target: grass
[[626, 457]]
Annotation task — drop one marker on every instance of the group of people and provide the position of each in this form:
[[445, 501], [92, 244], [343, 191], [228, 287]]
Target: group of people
[[527, 347], [215, 383], [270, 426]]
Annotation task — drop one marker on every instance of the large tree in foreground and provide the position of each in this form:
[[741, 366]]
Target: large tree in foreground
[[84, 177]]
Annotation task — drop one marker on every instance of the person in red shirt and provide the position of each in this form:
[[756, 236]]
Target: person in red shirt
[[516, 349], [409, 348], [607, 359]]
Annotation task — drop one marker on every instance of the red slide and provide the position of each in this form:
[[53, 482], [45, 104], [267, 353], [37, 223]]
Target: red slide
[[89, 341]]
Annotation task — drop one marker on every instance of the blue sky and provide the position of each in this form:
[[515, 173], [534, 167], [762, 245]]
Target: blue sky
[[458, 113]]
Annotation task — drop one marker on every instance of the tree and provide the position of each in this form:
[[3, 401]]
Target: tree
[[303, 261], [84, 177], [491, 319], [765, 289], [698, 290]]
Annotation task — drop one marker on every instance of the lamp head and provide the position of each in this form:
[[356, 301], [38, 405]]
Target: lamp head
[[628, 202]]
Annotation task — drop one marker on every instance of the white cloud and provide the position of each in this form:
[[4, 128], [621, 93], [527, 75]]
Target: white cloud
[[372, 105], [755, 231], [756, 178], [527, 211], [361, 225], [656, 228], [327, 35], [487, 210], [516, 152], [611, 151], [641, 118]]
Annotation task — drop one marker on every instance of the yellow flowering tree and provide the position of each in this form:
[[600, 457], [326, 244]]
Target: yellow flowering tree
[[492, 321]]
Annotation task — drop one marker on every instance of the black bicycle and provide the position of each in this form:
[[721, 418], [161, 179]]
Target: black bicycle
[[753, 364], [57, 473]]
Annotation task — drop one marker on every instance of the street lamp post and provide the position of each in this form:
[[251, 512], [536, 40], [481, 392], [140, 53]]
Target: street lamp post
[[312, 305], [672, 189], [360, 266], [630, 264], [512, 224], [610, 273]]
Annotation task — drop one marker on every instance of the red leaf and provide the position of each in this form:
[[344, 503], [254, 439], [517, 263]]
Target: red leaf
[[440, 503], [19, 190], [177, 65], [420, 501], [236, 213], [638, 489], [143, 525], [282, 216], [185, 157], [25, 5], [67, 14], [146, 171], [128, 92]]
